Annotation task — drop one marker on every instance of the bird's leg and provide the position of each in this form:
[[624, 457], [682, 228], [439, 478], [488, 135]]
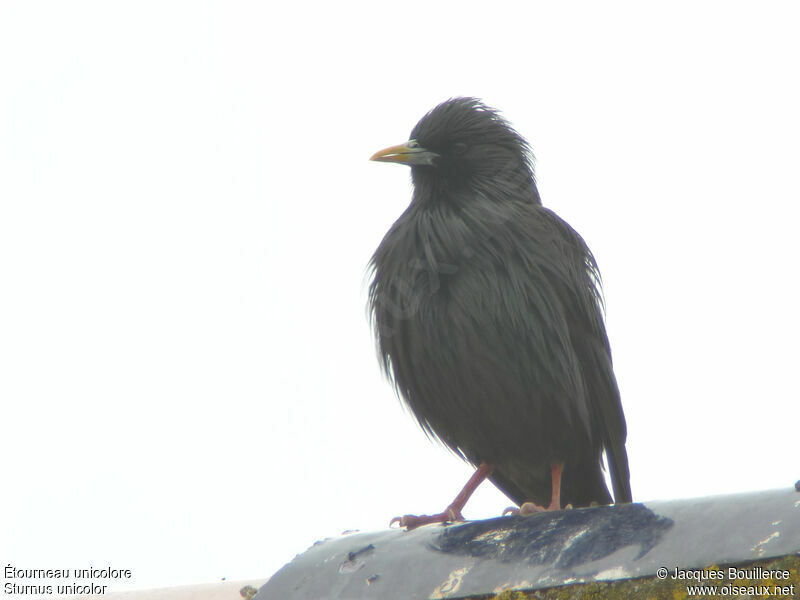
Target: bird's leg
[[453, 511], [529, 508], [555, 498]]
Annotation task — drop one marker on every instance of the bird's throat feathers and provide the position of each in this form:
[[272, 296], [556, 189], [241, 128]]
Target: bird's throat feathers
[[444, 235]]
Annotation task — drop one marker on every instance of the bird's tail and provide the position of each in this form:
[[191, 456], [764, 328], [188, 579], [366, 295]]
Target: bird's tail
[[620, 473]]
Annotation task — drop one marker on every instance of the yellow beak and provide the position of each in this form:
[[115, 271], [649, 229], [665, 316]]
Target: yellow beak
[[409, 153]]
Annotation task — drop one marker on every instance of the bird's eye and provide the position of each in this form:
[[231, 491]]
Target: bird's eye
[[412, 144], [459, 148]]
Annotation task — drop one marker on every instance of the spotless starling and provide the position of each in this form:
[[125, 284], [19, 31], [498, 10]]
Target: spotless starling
[[488, 313]]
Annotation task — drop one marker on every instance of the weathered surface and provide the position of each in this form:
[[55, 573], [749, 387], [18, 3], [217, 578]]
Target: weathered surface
[[574, 547]]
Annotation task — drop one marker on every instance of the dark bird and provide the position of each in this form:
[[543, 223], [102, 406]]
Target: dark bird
[[488, 313]]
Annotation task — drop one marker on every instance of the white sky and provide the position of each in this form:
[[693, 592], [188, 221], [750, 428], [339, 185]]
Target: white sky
[[188, 383]]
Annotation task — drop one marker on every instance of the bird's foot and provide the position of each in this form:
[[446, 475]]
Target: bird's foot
[[529, 508], [452, 512], [413, 521]]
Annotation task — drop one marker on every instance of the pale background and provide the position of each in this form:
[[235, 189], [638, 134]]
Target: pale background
[[187, 379]]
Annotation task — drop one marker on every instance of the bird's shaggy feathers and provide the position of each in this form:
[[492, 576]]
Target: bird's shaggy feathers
[[488, 315]]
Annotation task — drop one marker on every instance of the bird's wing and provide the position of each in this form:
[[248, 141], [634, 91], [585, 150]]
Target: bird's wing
[[537, 290], [584, 307]]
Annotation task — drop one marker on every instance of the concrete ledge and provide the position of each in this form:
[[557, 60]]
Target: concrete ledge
[[580, 549]]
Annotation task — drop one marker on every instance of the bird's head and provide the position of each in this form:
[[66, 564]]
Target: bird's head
[[464, 144]]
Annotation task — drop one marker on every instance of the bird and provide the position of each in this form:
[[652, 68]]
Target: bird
[[489, 320]]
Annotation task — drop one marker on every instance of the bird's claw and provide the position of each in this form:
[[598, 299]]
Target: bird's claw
[[408, 521], [529, 508], [414, 521]]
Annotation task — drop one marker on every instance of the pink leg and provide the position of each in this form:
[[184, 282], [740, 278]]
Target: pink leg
[[529, 508], [452, 512]]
